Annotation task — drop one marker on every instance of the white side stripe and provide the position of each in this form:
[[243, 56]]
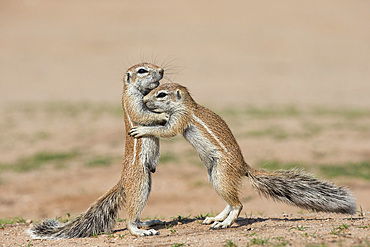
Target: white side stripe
[[210, 132], [131, 125]]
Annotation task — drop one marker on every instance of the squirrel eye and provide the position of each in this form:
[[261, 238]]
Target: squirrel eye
[[142, 71], [161, 95]]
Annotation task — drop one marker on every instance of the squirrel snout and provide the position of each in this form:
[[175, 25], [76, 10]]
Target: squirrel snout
[[161, 71]]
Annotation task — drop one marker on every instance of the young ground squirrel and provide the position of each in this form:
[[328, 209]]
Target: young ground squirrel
[[220, 153], [140, 158]]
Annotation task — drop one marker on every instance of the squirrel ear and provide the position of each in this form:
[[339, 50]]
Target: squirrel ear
[[178, 94], [127, 77]]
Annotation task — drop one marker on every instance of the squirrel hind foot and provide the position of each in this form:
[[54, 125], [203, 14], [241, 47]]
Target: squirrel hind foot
[[225, 219], [141, 232]]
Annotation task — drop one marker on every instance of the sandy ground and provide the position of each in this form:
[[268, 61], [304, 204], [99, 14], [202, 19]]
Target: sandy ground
[[292, 79]]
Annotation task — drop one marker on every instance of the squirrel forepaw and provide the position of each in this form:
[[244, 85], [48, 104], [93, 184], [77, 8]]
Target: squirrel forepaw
[[135, 132]]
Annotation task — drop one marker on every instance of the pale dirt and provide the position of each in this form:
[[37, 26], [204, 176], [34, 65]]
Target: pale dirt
[[260, 53]]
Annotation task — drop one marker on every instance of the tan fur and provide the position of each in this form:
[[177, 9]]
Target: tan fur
[[220, 153], [140, 158]]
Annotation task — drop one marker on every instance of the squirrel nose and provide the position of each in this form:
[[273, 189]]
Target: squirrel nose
[[161, 71]]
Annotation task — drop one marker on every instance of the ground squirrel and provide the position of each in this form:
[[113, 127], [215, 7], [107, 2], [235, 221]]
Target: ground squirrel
[[140, 158], [220, 153]]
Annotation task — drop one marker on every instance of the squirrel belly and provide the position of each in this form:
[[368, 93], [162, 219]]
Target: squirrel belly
[[150, 153]]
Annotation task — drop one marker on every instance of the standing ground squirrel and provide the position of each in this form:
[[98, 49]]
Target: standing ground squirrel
[[221, 155], [140, 158]]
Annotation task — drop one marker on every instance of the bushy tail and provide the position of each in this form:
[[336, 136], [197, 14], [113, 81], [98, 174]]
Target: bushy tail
[[100, 217], [302, 190]]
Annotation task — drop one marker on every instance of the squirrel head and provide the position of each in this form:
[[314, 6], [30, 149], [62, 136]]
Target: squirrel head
[[168, 98], [144, 77]]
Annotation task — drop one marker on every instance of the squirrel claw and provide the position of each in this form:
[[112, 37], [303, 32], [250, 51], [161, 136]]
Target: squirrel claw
[[219, 225], [137, 132], [133, 132], [150, 232], [141, 232]]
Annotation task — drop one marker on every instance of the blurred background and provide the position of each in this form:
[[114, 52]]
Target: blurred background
[[291, 78]]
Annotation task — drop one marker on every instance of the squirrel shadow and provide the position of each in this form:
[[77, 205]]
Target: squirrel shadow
[[249, 221], [240, 222], [168, 224]]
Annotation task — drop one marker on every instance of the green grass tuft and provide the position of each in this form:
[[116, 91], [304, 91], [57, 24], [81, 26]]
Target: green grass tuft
[[260, 241], [298, 227], [168, 157], [65, 218], [355, 170], [230, 243], [202, 216], [292, 111], [346, 113], [352, 169], [71, 109], [276, 132], [99, 161], [177, 244], [39, 160], [338, 230], [181, 218], [276, 165], [10, 221]]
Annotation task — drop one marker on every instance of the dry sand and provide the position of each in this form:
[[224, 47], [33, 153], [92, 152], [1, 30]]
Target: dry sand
[[61, 69]]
